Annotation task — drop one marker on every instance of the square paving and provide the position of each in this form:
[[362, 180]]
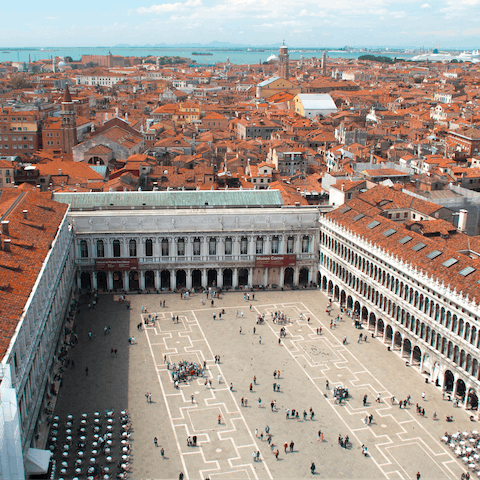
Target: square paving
[[400, 443]]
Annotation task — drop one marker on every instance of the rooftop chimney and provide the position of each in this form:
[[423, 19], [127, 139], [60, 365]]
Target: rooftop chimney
[[59, 171], [25, 214], [6, 244], [462, 220], [5, 227]]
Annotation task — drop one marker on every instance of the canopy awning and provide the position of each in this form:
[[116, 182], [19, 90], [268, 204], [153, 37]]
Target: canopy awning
[[37, 461]]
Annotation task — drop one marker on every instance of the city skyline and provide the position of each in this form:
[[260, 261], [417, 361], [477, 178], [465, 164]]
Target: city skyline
[[443, 23]]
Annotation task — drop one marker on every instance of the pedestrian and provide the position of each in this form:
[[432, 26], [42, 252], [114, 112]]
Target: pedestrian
[[155, 441], [254, 380], [86, 370], [219, 378], [219, 419], [378, 398], [162, 453], [242, 401], [180, 476], [327, 385], [146, 396], [116, 352], [418, 475], [193, 398], [242, 313], [260, 340], [271, 405], [423, 395], [291, 446], [231, 387], [251, 387], [312, 468], [285, 445], [365, 400], [240, 330], [345, 340], [259, 402], [319, 434], [276, 454], [312, 414], [256, 433], [254, 330]]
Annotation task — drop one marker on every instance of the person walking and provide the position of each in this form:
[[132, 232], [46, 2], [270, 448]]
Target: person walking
[[155, 441], [162, 453], [219, 419], [291, 446], [312, 468]]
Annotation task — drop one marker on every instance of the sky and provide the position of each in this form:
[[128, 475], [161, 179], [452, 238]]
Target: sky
[[449, 24]]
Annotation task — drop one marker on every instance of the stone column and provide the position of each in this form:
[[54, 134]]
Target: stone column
[[189, 278], [141, 279], [282, 276], [126, 286], [296, 275], [265, 276], [376, 327], [282, 247], [235, 277], [110, 281], [79, 280], [250, 276], [219, 278], [94, 281], [189, 248], [173, 285], [411, 356], [267, 250], [157, 279], [204, 277]]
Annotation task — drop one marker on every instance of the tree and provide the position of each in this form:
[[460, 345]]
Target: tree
[[18, 82]]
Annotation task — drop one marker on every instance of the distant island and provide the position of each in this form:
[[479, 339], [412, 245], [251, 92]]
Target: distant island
[[202, 53]]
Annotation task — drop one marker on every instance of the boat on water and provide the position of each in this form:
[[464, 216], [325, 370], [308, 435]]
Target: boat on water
[[5, 52]]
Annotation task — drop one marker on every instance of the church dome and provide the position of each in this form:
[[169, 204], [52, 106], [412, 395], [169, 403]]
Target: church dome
[[272, 58]]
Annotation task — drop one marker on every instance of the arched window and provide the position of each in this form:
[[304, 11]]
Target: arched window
[[306, 244], [100, 249], [132, 248], [243, 246], [148, 247], [165, 247], [290, 244], [259, 246], [275, 243], [212, 246], [181, 247], [196, 246], [83, 249], [116, 248], [228, 246]]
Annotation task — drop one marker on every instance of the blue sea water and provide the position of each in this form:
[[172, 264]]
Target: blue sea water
[[236, 56]]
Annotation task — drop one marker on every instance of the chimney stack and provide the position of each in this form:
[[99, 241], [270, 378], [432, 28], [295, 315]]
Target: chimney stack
[[59, 171], [5, 227], [25, 214], [462, 220], [6, 244]]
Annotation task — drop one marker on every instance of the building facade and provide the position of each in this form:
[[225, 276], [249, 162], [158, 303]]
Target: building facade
[[416, 293], [37, 270]]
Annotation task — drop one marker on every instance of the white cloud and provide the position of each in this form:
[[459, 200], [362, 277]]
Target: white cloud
[[51, 18], [425, 5], [169, 7]]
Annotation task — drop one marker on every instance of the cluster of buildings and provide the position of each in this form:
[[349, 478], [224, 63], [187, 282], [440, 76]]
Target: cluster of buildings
[[357, 178]]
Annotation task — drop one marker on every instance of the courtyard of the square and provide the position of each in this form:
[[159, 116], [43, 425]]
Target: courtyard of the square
[[229, 418]]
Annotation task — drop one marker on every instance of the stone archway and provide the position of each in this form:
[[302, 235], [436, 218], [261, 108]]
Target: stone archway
[[181, 279], [388, 334], [460, 389], [133, 283], [349, 302], [149, 279], [288, 277], [472, 399], [448, 381], [372, 321], [165, 279], [336, 293], [242, 276], [380, 327], [417, 355], [86, 280], [118, 280], [407, 348], [212, 278], [197, 279], [324, 283], [303, 277], [102, 281], [227, 277], [342, 298], [397, 343]]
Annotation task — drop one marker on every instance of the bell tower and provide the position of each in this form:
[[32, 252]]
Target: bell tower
[[68, 122], [283, 59]]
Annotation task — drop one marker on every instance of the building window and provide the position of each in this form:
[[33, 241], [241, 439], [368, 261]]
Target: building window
[[165, 249], [133, 248], [196, 246], [228, 246], [100, 249], [212, 246], [244, 246], [148, 247], [290, 244], [116, 248], [275, 243], [259, 245], [305, 244], [83, 249], [181, 247]]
